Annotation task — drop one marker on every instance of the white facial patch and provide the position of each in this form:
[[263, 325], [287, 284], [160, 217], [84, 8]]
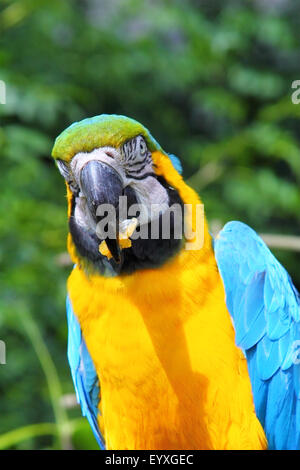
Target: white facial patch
[[152, 197], [107, 155], [82, 214]]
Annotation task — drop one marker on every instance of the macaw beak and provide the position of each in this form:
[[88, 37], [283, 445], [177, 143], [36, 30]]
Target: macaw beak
[[101, 184]]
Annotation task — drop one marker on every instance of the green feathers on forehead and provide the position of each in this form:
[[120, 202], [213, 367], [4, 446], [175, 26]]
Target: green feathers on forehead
[[99, 131]]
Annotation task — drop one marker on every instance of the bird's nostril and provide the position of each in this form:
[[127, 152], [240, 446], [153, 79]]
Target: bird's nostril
[[109, 153]]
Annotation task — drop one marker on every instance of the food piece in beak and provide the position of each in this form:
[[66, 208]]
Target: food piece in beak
[[126, 229], [114, 249]]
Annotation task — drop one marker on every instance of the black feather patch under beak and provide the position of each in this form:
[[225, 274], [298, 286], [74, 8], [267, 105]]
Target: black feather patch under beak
[[101, 184]]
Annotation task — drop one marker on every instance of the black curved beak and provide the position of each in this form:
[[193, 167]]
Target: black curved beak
[[101, 184]]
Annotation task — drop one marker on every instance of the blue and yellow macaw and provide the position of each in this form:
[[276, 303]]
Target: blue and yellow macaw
[[171, 348]]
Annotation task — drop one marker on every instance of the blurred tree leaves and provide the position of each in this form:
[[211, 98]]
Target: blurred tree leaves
[[210, 79]]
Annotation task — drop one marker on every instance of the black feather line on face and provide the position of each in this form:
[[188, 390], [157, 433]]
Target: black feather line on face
[[137, 164], [138, 170], [149, 253], [141, 177]]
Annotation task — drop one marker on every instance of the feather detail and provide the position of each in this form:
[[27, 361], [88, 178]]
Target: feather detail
[[265, 308], [83, 374]]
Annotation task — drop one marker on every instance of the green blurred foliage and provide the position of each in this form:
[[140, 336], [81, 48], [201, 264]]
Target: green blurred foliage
[[210, 79]]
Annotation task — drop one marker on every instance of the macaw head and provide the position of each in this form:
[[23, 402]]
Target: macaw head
[[125, 194]]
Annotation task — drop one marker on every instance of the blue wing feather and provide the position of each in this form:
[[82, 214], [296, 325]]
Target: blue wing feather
[[83, 374], [265, 308]]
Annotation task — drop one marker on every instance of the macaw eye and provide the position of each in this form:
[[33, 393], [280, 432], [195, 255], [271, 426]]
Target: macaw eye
[[65, 171], [143, 146], [135, 150]]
